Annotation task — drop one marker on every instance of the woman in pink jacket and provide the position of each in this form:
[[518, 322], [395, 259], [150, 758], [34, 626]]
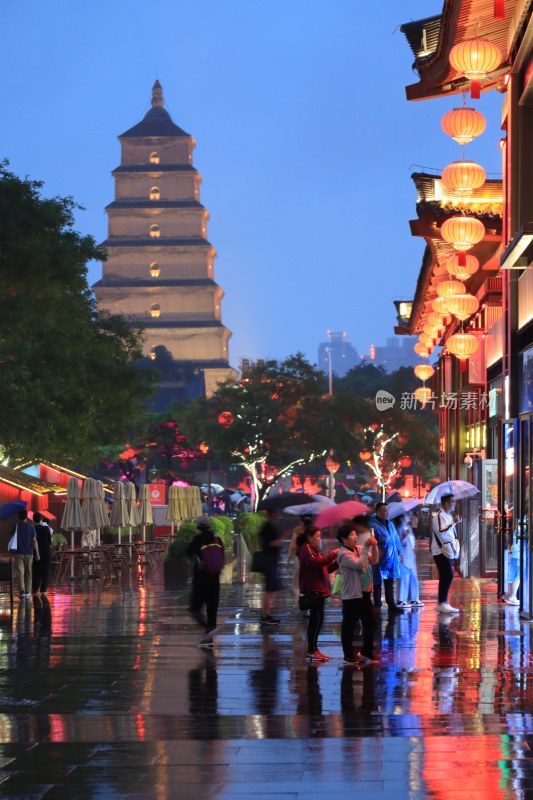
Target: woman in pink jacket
[[314, 577]]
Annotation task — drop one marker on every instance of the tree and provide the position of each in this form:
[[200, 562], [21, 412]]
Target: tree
[[275, 418], [68, 371]]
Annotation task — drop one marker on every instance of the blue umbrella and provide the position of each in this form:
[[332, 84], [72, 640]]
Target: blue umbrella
[[10, 509]]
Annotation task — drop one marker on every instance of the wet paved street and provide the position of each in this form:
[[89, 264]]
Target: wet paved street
[[104, 694]]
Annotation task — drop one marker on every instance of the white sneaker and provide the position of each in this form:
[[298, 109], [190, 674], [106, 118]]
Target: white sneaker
[[446, 608], [513, 601]]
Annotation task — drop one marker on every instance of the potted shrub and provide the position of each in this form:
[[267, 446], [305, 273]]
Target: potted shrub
[[177, 565], [249, 525]]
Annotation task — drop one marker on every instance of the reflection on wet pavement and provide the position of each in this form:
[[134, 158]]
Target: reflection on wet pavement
[[104, 693]]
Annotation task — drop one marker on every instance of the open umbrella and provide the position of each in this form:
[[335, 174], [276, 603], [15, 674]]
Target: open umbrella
[[340, 513], [283, 500], [10, 509], [131, 503], [72, 515], [119, 513], [145, 508], [397, 509], [459, 489], [319, 503]]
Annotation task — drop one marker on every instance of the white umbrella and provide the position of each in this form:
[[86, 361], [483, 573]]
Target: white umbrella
[[319, 504], [459, 489], [145, 509], [397, 509], [131, 504], [73, 515], [119, 512]]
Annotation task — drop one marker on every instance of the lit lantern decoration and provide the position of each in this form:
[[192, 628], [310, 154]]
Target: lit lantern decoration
[[448, 289], [332, 465], [405, 462], [421, 350], [440, 306], [462, 345], [462, 177], [154, 269], [424, 371], [464, 272], [476, 58], [426, 339], [155, 310], [225, 418], [203, 448], [365, 455], [430, 329], [463, 124], [463, 233], [375, 426], [152, 354], [422, 394], [438, 320], [463, 306], [402, 441]]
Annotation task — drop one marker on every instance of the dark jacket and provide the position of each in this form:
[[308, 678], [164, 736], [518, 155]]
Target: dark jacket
[[194, 550], [25, 537], [314, 569], [44, 540]]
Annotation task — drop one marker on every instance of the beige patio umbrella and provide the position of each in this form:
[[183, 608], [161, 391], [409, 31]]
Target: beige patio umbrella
[[134, 519], [103, 516], [174, 509], [145, 509], [119, 513], [89, 506], [73, 515]]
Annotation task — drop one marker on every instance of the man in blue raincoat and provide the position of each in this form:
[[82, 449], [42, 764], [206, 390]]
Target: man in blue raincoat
[[390, 549]]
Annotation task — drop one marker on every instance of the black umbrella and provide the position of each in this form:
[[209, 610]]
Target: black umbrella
[[283, 500]]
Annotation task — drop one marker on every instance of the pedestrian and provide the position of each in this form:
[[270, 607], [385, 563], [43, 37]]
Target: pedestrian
[[408, 595], [306, 521], [271, 540], [26, 547], [513, 579], [314, 579], [390, 553], [41, 566], [355, 565], [442, 549], [207, 550]]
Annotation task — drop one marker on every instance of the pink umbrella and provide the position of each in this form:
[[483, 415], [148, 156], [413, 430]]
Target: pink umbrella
[[336, 514]]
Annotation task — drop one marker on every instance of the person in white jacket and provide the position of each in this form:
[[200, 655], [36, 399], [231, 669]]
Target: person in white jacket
[[443, 535]]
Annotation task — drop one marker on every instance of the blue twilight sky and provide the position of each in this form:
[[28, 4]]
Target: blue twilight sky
[[305, 142]]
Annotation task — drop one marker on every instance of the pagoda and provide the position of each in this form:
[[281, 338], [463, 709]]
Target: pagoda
[[159, 271]]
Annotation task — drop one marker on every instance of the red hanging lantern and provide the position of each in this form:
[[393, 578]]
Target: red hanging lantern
[[462, 345], [405, 462], [463, 124], [499, 9], [463, 233], [332, 465], [365, 455], [462, 177], [475, 58], [225, 418], [375, 426], [462, 273]]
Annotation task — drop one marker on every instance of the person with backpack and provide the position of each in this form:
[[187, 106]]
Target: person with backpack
[[207, 550]]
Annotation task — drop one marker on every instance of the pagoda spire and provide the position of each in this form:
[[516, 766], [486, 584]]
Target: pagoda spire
[[157, 95]]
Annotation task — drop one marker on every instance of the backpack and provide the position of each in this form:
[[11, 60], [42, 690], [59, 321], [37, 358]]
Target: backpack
[[212, 558]]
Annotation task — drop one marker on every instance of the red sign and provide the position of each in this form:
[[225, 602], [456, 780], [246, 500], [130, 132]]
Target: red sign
[[157, 494]]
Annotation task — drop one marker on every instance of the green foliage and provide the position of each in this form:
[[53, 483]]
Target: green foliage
[[187, 531], [223, 527], [177, 550], [69, 379], [249, 525], [59, 542]]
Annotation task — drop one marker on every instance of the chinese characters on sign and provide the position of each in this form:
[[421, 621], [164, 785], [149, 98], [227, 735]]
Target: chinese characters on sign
[[449, 400]]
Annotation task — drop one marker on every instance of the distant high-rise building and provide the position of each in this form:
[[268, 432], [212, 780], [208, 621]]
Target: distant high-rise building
[[398, 352], [343, 355]]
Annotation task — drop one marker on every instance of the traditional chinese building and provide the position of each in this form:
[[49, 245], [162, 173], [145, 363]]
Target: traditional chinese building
[[499, 33], [160, 267]]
